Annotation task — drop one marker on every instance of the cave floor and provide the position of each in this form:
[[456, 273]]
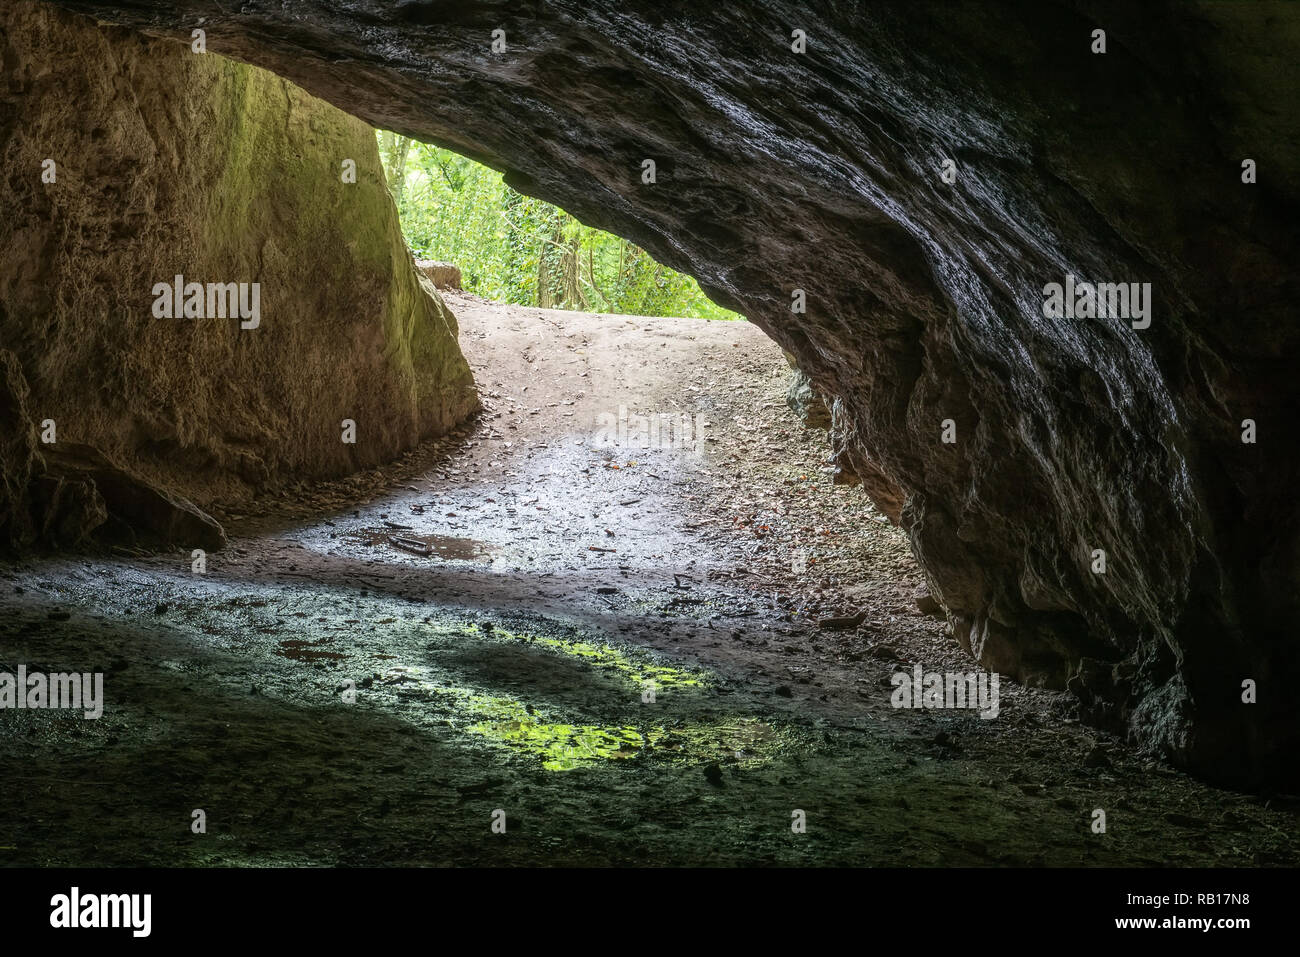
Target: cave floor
[[507, 668]]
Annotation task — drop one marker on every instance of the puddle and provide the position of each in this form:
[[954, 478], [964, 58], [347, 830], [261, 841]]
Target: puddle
[[408, 542], [306, 651]]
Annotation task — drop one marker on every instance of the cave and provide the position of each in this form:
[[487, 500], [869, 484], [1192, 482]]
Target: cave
[[1023, 268]]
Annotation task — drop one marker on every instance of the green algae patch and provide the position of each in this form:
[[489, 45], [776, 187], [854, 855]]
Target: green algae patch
[[564, 740], [563, 746]]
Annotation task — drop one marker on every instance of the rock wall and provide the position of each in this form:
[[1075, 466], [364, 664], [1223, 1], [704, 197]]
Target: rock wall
[[823, 170], [804, 400], [166, 163]]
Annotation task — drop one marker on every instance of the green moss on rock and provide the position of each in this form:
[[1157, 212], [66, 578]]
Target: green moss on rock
[[171, 162]]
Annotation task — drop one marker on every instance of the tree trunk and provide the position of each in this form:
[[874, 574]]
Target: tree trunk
[[397, 166]]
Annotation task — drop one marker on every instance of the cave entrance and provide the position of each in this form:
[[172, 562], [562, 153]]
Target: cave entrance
[[626, 615], [505, 246], [635, 434], [644, 508]]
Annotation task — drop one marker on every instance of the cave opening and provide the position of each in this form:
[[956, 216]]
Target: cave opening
[[410, 546]]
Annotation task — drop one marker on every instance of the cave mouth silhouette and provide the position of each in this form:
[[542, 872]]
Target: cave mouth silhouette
[[923, 307]]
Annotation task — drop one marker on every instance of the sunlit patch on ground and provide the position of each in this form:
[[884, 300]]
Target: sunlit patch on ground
[[564, 740], [563, 746]]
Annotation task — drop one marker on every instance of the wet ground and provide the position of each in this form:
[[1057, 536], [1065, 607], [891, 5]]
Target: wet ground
[[621, 652]]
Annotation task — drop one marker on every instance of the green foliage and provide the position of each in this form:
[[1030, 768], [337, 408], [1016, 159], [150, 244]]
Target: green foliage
[[513, 248]]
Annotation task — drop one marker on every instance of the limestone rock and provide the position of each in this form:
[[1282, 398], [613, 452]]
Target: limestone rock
[[805, 402], [442, 275], [169, 163], [94, 486], [854, 467], [926, 603], [71, 509]]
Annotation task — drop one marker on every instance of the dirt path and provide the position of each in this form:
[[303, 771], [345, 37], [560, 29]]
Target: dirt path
[[511, 666]]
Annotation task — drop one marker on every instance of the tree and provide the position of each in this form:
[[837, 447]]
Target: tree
[[514, 248]]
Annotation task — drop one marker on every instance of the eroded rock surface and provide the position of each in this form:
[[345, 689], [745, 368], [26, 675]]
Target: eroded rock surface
[[18, 458], [169, 163], [91, 491], [806, 402], [821, 171]]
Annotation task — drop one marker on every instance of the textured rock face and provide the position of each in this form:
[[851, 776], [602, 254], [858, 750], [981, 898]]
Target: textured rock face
[[90, 495], [805, 402], [19, 463], [168, 163], [442, 275], [821, 171]]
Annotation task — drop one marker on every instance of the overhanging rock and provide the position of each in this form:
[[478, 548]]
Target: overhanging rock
[[827, 171]]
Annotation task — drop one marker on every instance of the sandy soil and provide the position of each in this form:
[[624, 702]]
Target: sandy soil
[[374, 667]]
